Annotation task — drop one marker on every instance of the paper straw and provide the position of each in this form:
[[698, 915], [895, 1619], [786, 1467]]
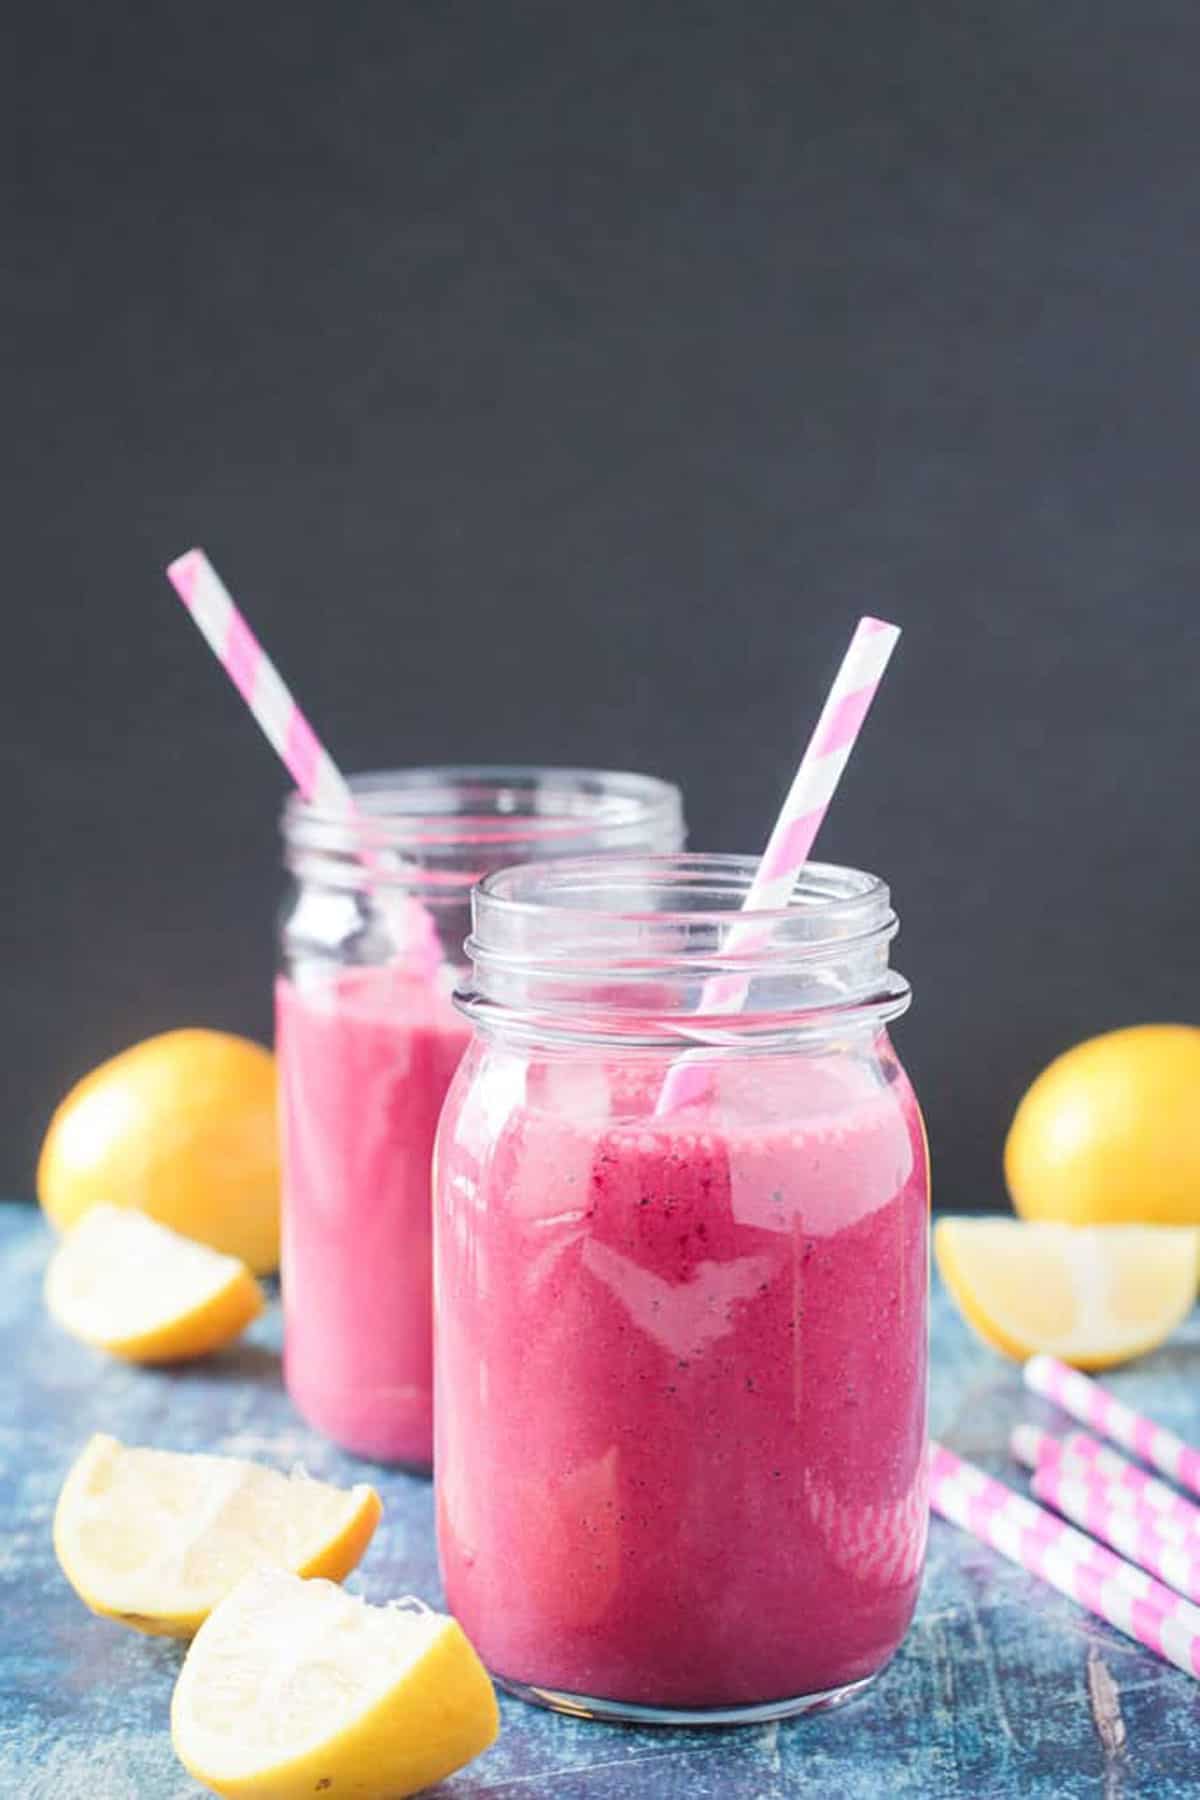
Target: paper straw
[[259, 682], [1127, 1477], [1037, 1526], [1032, 1446], [1090, 1505], [1130, 1487], [1093, 1405], [849, 700], [1125, 1597], [306, 759], [1114, 1498]]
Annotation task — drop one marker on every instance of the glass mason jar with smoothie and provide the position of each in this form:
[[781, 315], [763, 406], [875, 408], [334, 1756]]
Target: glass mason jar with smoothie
[[681, 1365], [368, 1042]]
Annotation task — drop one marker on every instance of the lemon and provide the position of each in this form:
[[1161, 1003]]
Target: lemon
[[182, 1127], [156, 1538], [128, 1285], [1090, 1294], [1110, 1133], [295, 1688]]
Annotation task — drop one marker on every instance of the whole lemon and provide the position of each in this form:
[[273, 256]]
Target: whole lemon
[[182, 1126], [1110, 1133]]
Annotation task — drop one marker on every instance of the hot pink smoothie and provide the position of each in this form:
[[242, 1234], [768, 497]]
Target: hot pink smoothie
[[365, 1060], [681, 1375]]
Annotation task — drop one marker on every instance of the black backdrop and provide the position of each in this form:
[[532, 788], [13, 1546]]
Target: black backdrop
[[559, 381]]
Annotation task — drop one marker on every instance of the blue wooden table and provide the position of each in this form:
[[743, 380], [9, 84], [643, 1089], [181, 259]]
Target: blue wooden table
[[1002, 1688]]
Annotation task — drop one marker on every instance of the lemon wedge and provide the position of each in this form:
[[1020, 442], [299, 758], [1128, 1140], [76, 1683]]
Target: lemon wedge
[[135, 1288], [296, 1688], [156, 1538], [1089, 1295]]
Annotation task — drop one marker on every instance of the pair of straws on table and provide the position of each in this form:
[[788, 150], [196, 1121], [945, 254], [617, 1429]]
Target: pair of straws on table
[[1152, 1532]]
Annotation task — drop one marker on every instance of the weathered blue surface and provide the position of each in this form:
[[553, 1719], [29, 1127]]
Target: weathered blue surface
[[989, 1698]]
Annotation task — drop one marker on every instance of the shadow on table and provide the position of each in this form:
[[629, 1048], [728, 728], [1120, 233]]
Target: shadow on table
[[1177, 1361], [256, 1363]]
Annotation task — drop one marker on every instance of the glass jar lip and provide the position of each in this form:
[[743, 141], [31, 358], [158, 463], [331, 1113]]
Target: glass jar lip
[[504, 894], [456, 816]]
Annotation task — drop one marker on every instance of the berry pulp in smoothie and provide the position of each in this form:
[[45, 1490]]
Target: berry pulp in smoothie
[[681, 1375], [365, 1060]]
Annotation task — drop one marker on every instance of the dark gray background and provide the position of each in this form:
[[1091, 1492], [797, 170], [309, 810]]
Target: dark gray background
[[559, 381]]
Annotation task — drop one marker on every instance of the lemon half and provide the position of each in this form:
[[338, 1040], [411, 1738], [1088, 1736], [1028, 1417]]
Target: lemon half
[[182, 1127], [1109, 1133]]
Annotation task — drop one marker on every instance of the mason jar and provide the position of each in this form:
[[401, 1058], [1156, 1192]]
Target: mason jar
[[681, 1323], [368, 1040]]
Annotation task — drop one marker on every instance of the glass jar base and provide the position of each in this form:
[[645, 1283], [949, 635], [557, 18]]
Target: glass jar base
[[625, 1712]]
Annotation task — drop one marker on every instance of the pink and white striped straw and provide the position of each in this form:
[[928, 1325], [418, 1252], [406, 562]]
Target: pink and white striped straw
[[1083, 1457], [1126, 1477], [1038, 1526], [1125, 1597], [1051, 1456], [1090, 1504], [306, 759], [1086, 1485], [821, 767], [1093, 1405], [259, 682]]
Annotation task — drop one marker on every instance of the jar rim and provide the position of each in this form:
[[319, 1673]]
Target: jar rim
[[503, 894], [456, 821]]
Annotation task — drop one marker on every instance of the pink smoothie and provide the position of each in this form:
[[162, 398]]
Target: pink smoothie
[[681, 1376], [365, 1059]]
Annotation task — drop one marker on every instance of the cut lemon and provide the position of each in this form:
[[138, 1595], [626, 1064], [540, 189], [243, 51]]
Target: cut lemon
[[295, 1688], [132, 1287], [156, 1538], [1090, 1295]]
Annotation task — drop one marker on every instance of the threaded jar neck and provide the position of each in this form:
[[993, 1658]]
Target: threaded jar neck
[[435, 831], [657, 949]]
